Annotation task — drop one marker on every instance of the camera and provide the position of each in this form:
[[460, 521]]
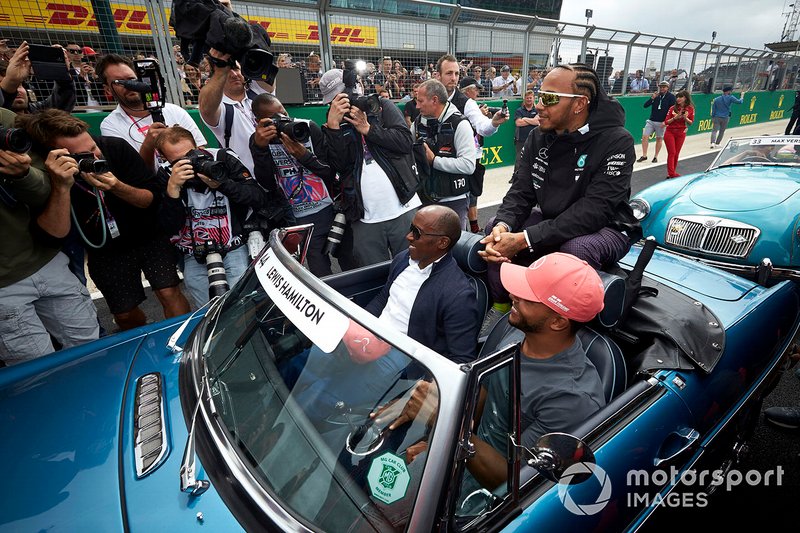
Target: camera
[[14, 140], [296, 130], [203, 163], [87, 162], [203, 25], [211, 253], [335, 234], [370, 104]]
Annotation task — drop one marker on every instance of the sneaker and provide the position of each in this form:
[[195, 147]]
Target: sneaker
[[492, 318], [655, 160], [716, 146], [785, 417], [643, 158]]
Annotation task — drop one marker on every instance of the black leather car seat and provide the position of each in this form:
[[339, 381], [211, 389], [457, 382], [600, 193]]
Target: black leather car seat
[[465, 252]]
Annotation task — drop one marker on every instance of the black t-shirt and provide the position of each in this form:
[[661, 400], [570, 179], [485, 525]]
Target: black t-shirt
[[521, 135], [135, 225], [411, 110]]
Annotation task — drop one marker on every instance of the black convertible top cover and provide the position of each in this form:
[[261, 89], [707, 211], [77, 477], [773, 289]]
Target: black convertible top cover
[[686, 333]]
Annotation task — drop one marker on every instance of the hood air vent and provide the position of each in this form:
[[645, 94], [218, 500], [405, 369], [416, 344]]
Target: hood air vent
[[149, 431]]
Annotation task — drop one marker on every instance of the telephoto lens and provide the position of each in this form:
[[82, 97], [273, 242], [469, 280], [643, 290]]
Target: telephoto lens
[[335, 234], [14, 140], [217, 280]]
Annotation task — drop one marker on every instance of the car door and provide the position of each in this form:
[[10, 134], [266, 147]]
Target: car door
[[639, 441]]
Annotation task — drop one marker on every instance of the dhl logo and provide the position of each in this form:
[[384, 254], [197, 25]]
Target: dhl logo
[[79, 16]]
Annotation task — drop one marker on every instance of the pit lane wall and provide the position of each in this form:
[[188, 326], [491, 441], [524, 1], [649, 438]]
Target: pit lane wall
[[498, 150]]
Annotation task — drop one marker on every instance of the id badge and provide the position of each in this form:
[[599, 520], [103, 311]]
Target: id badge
[[113, 229]]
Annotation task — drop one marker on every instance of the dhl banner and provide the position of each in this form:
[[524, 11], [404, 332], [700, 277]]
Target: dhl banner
[[77, 15]]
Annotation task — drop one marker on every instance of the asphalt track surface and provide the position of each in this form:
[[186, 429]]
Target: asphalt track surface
[[775, 507]]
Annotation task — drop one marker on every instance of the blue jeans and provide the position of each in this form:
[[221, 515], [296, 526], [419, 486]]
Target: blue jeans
[[50, 301], [195, 275]]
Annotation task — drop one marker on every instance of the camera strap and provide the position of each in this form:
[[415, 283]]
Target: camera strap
[[229, 111]]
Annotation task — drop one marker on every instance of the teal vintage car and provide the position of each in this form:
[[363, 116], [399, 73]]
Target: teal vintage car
[[221, 421], [742, 214]]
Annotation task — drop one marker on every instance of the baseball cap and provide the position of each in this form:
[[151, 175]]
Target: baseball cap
[[362, 345], [505, 68], [466, 82], [331, 84], [727, 88], [89, 51], [665, 83], [562, 282]]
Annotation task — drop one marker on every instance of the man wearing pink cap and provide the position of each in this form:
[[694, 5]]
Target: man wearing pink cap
[[559, 386]]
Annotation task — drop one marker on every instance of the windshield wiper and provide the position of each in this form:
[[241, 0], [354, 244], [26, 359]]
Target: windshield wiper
[[188, 471]]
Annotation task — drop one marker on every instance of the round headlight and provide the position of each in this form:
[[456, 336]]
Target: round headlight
[[640, 208]]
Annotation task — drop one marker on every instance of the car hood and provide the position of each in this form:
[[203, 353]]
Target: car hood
[[66, 451], [723, 190]]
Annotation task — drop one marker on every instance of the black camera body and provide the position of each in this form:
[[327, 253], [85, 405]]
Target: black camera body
[[15, 140], [369, 104], [297, 130], [200, 250], [87, 162], [204, 163]]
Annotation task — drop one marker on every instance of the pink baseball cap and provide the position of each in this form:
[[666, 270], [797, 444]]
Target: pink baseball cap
[[562, 282], [362, 345]]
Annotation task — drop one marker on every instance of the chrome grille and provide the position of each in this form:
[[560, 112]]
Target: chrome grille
[[149, 430], [712, 235]]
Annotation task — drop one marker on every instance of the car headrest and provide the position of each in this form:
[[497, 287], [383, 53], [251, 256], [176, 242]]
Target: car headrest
[[465, 252], [613, 301]]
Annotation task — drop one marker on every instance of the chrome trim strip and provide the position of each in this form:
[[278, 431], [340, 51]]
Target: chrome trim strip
[[741, 270], [149, 400]]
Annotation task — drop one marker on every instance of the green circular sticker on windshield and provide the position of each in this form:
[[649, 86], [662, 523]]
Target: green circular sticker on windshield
[[388, 478]]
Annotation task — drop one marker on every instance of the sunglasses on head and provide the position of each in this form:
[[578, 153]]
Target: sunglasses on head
[[549, 98], [418, 233]]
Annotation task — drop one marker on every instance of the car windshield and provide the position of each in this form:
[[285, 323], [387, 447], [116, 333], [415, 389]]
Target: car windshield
[[779, 150], [294, 380]]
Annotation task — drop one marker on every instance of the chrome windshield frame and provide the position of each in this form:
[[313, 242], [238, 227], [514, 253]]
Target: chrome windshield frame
[[450, 377]]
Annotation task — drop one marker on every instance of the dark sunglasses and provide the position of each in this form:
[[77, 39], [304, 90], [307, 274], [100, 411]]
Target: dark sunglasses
[[549, 98], [418, 233], [74, 51]]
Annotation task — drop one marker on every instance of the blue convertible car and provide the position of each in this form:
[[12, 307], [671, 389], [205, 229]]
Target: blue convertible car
[[233, 420], [742, 214]]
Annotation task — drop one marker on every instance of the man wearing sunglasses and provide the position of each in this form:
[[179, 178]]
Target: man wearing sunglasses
[[427, 296], [572, 183]]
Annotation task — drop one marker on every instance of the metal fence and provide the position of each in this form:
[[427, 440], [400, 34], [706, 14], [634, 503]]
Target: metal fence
[[401, 37]]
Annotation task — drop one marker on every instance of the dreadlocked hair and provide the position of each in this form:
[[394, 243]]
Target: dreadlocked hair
[[586, 80]]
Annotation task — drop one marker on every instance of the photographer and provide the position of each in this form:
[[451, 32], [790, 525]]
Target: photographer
[[373, 153], [447, 152], [112, 207], [208, 196], [304, 179], [131, 120], [226, 108], [13, 88], [38, 294]]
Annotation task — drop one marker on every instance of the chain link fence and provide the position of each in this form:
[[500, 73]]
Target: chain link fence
[[399, 40]]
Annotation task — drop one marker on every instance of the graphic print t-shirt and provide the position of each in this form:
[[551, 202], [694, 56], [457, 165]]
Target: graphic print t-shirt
[[305, 190]]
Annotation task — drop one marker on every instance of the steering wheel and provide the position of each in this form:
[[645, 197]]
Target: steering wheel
[[756, 159]]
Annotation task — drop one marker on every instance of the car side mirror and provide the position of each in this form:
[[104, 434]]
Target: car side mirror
[[556, 452]]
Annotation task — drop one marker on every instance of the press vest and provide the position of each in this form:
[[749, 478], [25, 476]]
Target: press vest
[[441, 140]]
